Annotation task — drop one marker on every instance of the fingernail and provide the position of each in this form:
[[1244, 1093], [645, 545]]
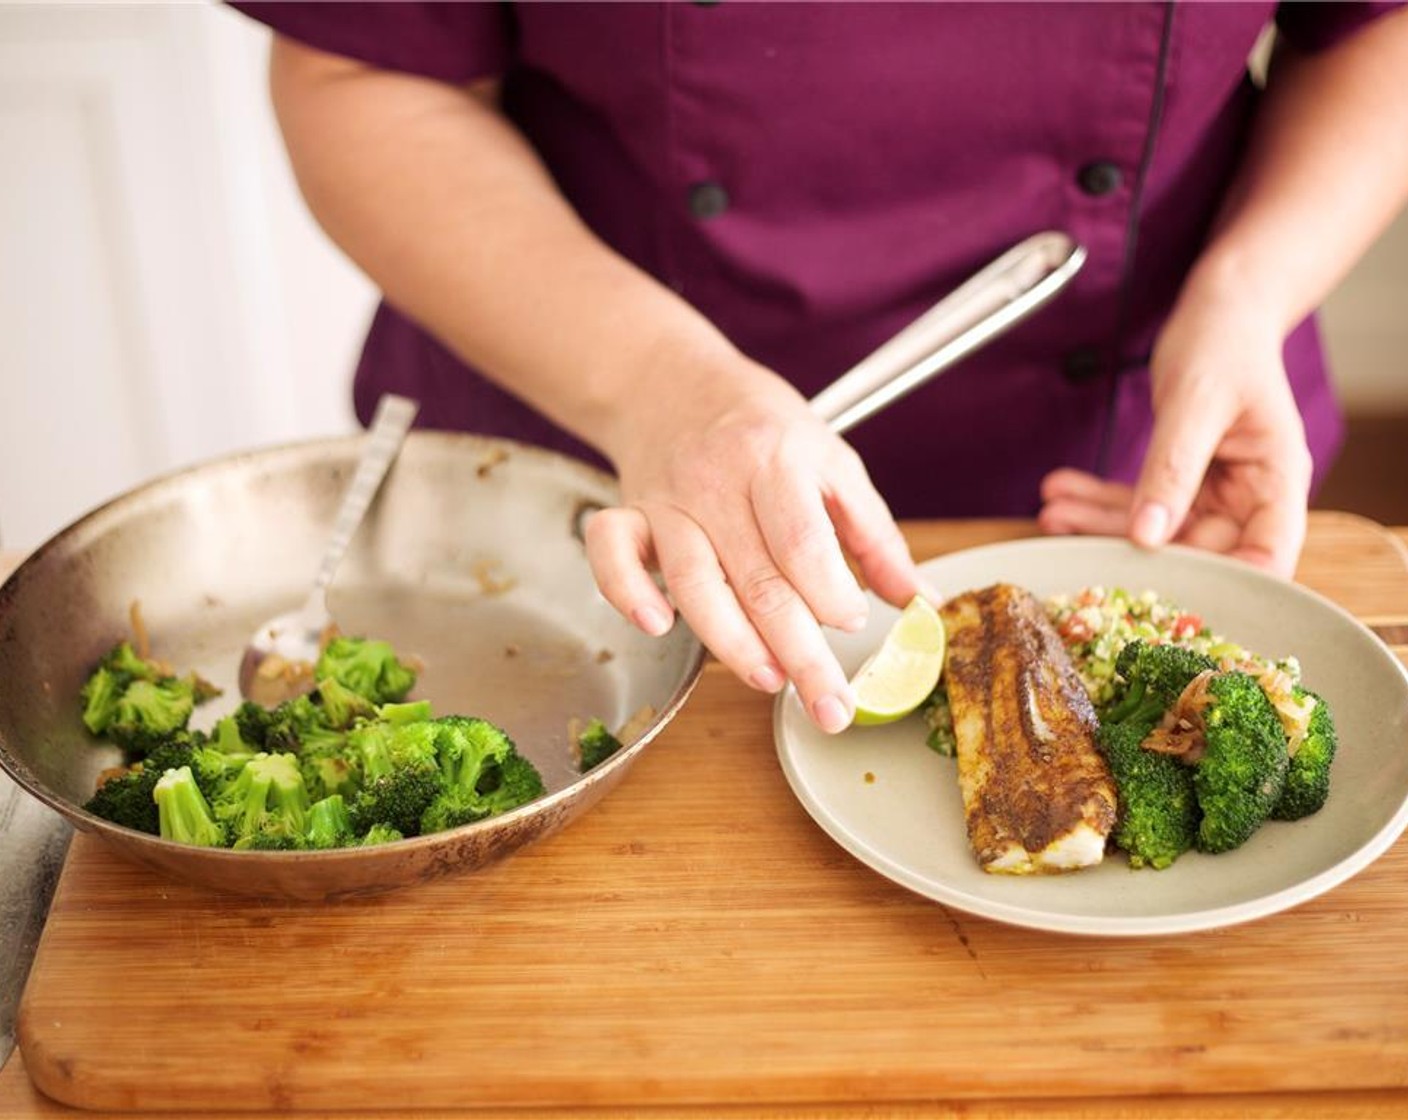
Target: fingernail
[[831, 714], [1150, 524], [766, 679], [930, 592], [855, 622], [652, 620]]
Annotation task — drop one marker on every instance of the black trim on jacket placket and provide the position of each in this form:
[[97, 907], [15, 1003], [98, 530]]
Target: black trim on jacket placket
[[1131, 241]]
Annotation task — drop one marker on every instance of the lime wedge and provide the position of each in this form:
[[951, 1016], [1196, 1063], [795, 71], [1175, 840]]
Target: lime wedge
[[899, 676]]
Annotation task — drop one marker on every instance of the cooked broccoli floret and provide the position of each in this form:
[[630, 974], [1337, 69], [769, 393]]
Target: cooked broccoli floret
[[1158, 812], [175, 750], [252, 723], [329, 825], [515, 781], [350, 763], [400, 774], [518, 783], [294, 723], [450, 809], [595, 745], [341, 706], [384, 747], [126, 799], [271, 839], [214, 769], [228, 738], [210, 766], [182, 811], [468, 748], [100, 695], [380, 834], [411, 711], [1242, 772], [1308, 775], [123, 660], [329, 766], [369, 668], [148, 712], [137, 703], [484, 774], [291, 723], [1156, 674], [266, 804]]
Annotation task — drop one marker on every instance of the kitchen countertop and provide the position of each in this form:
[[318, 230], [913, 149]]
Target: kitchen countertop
[[18, 1097]]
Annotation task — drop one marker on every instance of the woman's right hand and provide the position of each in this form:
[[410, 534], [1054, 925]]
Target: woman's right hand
[[748, 506]]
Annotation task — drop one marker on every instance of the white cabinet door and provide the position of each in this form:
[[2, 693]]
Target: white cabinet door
[[164, 296]]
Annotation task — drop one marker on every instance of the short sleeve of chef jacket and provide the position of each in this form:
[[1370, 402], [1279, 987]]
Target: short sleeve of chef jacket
[[452, 42]]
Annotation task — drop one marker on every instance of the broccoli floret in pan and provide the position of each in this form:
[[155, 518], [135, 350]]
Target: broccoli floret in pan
[[266, 805], [138, 703], [182, 811], [329, 825], [292, 723], [149, 712], [329, 767], [350, 763], [483, 774], [125, 798], [508, 784], [595, 744], [340, 705], [367, 667], [379, 834], [400, 774]]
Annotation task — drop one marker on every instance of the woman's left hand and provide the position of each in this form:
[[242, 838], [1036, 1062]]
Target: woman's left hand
[[1227, 468]]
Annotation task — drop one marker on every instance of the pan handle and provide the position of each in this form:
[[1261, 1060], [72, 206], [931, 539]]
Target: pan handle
[[998, 297]]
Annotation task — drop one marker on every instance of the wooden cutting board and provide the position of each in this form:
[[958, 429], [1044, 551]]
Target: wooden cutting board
[[697, 939]]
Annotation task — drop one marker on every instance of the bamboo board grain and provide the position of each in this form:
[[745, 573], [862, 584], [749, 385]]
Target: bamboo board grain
[[696, 940]]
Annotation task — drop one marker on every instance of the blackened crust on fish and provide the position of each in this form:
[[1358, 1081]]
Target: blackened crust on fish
[[1028, 762]]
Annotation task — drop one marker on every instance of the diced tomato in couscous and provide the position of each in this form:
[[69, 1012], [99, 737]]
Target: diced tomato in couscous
[[1097, 622]]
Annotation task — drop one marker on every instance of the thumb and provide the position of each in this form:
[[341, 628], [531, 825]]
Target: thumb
[[1185, 438]]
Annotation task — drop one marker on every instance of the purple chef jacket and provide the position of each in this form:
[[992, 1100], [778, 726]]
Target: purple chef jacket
[[814, 177]]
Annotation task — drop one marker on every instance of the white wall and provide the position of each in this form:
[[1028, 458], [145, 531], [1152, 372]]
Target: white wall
[[317, 304], [1365, 322], [166, 298], [164, 295]]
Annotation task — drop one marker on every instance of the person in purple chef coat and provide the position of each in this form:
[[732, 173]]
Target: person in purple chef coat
[[646, 233]]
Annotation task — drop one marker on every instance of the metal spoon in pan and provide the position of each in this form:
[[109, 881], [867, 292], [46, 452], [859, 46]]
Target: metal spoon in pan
[[278, 661]]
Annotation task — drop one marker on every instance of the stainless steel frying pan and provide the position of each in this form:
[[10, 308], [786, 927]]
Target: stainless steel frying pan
[[471, 559]]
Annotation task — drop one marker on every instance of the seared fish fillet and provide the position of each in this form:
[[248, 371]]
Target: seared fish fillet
[[1037, 793]]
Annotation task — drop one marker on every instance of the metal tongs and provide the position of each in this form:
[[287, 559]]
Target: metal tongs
[[1022, 280]]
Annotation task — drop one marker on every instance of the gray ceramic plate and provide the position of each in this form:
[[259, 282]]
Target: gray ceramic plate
[[907, 823]]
